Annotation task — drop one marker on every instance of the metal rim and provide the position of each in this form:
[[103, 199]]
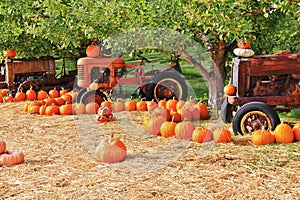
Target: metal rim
[[255, 120]]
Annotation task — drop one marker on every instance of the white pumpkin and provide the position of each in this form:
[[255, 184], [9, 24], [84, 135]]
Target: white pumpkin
[[243, 52]]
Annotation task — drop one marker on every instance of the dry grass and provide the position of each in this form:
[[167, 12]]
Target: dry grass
[[59, 166]]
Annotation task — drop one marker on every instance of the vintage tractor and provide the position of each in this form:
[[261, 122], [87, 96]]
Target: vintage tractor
[[21, 74], [106, 73], [264, 85]]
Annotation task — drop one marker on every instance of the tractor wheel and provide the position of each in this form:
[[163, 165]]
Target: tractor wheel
[[26, 85], [93, 96], [226, 111], [167, 85], [79, 95], [254, 116]]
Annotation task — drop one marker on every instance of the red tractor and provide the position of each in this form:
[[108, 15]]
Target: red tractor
[[108, 73], [264, 86]]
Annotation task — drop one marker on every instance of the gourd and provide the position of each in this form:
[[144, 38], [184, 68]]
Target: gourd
[[243, 52]]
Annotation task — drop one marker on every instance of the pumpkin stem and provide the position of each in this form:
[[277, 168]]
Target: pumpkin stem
[[111, 137]]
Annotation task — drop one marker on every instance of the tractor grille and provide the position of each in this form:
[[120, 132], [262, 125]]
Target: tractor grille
[[80, 72]]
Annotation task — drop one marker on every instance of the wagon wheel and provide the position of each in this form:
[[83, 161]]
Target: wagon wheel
[[91, 96], [26, 85], [254, 116], [227, 111]]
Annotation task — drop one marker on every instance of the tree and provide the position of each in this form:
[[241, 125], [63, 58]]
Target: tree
[[64, 28]]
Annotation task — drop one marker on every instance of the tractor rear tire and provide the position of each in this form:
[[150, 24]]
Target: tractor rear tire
[[91, 96], [254, 116], [166, 85]]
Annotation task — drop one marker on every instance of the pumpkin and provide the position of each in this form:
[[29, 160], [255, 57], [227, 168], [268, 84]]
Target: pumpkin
[[262, 137], [190, 102], [10, 53], [93, 51], [34, 108], [161, 111], [284, 133], [50, 101], [11, 158], [185, 114], [296, 130], [151, 105], [201, 135], [167, 129], [153, 125], [118, 106], [243, 52], [31, 94], [171, 104], [110, 150], [3, 92], [41, 95], [162, 103], [91, 108], [54, 93], [104, 111], [63, 91], [1, 99], [2, 146], [8, 98], [130, 105], [222, 135], [42, 110], [184, 130], [203, 110], [180, 104], [59, 101], [94, 85], [20, 96], [73, 94], [243, 45], [229, 89], [175, 116], [195, 112], [52, 110], [141, 106], [66, 109], [25, 107], [67, 98], [79, 108]]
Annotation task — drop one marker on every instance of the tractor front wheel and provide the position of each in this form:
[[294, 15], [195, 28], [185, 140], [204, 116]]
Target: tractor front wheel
[[91, 96]]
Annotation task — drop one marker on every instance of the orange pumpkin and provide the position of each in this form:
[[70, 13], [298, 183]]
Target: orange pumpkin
[[10, 53], [203, 110], [91, 108], [153, 125], [175, 116], [229, 89], [3, 92], [67, 98], [34, 108], [185, 114], [284, 133], [41, 95], [31, 95], [167, 129], [2, 146], [106, 104], [42, 110], [1, 99], [171, 104], [262, 137], [52, 110], [8, 98], [180, 104], [20, 96], [296, 130], [151, 105], [141, 106], [184, 130], [118, 106], [79, 108], [54, 93], [222, 135], [11, 158], [62, 91], [59, 101], [93, 51], [110, 150], [161, 111], [94, 86], [201, 135], [243, 45], [66, 109], [50, 101], [162, 103], [130, 105]]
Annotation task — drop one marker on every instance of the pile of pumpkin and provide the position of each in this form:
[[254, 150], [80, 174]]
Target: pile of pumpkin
[[8, 157]]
